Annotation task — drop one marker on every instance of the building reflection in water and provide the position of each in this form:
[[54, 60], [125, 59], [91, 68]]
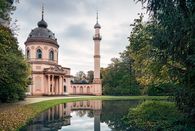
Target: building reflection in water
[[60, 115]]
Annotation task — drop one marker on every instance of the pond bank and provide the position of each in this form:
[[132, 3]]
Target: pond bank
[[15, 117]]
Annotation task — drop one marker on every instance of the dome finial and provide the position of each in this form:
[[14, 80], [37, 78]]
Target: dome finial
[[42, 23], [42, 11]]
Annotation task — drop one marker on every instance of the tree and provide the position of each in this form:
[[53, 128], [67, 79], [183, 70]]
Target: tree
[[90, 76], [5, 9], [118, 80], [80, 78], [14, 69], [147, 63], [175, 39]]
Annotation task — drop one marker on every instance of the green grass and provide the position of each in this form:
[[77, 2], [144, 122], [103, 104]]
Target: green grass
[[15, 117]]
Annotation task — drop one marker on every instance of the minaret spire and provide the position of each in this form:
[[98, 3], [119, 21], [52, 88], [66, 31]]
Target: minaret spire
[[97, 16], [97, 25]]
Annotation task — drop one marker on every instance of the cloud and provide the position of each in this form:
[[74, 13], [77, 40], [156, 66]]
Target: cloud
[[79, 32], [72, 22], [83, 123]]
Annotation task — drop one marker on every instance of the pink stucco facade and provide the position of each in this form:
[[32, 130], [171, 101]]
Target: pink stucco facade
[[49, 78]]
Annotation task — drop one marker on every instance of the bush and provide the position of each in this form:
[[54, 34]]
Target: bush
[[185, 99], [165, 89], [156, 115], [121, 90]]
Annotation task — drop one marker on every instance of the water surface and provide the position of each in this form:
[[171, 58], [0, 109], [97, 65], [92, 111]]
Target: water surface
[[95, 115]]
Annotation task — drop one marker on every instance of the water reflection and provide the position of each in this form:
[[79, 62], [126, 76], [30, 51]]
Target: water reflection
[[83, 115]]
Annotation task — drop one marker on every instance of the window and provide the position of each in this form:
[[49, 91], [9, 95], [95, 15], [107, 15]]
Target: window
[[64, 88], [51, 55], [88, 90], [81, 90], [39, 54], [28, 54], [74, 90]]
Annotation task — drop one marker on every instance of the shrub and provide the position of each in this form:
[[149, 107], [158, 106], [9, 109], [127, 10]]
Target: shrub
[[156, 115], [185, 99]]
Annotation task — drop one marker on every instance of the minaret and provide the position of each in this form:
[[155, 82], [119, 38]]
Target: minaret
[[97, 38]]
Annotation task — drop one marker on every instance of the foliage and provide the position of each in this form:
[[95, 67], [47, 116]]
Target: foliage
[[117, 79], [156, 115], [165, 89], [90, 76], [173, 35], [14, 69], [80, 78], [5, 10], [141, 65], [147, 63]]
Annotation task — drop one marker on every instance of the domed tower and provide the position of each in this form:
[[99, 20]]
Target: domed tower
[[41, 44], [42, 54]]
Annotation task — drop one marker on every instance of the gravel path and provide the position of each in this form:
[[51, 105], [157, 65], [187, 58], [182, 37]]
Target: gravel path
[[30, 100]]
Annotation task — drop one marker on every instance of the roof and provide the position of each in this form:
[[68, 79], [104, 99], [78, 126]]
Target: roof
[[42, 33]]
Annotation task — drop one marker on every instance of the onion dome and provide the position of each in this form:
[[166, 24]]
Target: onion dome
[[42, 33], [42, 23], [97, 25]]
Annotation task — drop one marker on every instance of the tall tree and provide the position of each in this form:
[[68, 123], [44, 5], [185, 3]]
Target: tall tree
[[118, 79], [146, 60], [14, 69], [5, 10], [175, 39]]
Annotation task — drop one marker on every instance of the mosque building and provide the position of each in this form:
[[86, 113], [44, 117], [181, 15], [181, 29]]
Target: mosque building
[[49, 78]]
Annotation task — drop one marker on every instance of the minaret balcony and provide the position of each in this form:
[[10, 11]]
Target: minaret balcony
[[97, 37]]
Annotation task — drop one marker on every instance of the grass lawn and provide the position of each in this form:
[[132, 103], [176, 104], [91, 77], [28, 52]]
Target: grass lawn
[[17, 116]]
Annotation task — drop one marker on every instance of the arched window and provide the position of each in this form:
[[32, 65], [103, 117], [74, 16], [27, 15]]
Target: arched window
[[28, 54], [39, 54], [81, 90], [88, 90], [74, 90], [51, 55]]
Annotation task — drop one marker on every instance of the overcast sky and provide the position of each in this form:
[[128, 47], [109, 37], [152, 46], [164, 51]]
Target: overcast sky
[[72, 21]]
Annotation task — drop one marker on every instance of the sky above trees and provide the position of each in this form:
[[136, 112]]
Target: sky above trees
[[72, 22]]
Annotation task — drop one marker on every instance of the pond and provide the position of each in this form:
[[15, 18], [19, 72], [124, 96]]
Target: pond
[[94, 115]]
